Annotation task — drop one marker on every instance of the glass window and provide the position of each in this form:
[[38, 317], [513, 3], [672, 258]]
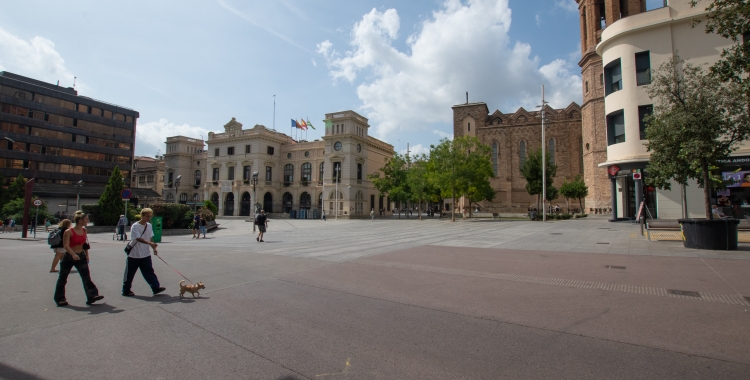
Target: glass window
[[197, 177], [612, 77], [359, 171], [216, 152], [616, 128], [230, 151], [128, 119], [83, 108], [14, 128], [246, 172], [644, 111], [269, 150], [247, 148], [336, 173], [107, 114], [320, 174], [306, 172], [215, 175], [551, 151], [494, 158], [269, 173], [522, 153], [643, 68], [230, 173], [288, 173], [119, 117]]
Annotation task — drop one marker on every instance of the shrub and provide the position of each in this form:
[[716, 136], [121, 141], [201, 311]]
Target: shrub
[[92, 210], [566, 216], [173, 215], [211, 206], [207, 214], [581, 215]]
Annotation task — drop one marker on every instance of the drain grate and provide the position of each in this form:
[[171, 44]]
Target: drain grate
[[614, 267], [602, 243], [683, 293]]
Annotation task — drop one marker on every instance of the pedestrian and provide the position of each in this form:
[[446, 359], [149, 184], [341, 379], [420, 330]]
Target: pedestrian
[[32, 225], [47, 225], [11, 225], [121, 224], [59, 249], [262, 225], [196, 225], [202, 228], [141, 238], [76, 255], [372, 214], [324, 215]]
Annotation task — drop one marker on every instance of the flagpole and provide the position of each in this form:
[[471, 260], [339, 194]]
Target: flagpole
[[274, 112]]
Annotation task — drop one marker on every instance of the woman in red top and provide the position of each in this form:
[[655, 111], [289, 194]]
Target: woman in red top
[[76, 255]]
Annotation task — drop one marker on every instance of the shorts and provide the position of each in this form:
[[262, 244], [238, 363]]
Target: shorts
[[262, 228], [202, 230]]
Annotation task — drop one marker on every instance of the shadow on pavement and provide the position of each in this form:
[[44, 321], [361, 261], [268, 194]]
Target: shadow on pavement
[[8, 372], [164, 299], [97, 308]]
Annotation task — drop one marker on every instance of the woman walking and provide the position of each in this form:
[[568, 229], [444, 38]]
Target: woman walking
[[60, 249], [76, 255]]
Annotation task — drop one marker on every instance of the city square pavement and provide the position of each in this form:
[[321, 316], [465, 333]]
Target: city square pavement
[[387, 299]]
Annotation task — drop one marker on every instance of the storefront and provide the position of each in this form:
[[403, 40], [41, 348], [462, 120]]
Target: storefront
[[735, 199], [629, 190]]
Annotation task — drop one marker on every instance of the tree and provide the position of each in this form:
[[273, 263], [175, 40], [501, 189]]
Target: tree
[[417, 178], [211, 207], [458, 165], [110, 203], [17, 189], [698, 120], [730, 19], [394, 181], [532, 172], [576, 189], [14, 210]]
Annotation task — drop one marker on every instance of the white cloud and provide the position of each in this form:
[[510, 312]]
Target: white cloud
[[417, 150], [315, 64], [538, 20], [460, 47], [151, 137], [37, 59], [568, 5], [443, 135]]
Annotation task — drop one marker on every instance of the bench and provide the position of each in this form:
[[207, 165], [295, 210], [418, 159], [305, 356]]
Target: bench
[[211, 225]]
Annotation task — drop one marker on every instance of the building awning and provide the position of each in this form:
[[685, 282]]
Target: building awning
[[634, 160]]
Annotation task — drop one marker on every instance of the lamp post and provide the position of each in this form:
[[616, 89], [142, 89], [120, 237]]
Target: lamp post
[[78, 194], [177, 188], [28, 190], [322, 194], [544, 164], [254, 180], [338, 176]]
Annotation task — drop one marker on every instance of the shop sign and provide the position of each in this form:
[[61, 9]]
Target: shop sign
[[637, 176], [613, 170], [736, 160]]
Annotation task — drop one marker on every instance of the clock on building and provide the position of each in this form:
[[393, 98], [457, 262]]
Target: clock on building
[[337, 145]]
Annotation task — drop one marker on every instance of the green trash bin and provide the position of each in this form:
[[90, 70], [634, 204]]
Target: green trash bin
[[157, 223]]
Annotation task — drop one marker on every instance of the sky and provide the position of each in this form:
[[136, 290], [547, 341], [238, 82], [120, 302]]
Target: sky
[[189, 66]]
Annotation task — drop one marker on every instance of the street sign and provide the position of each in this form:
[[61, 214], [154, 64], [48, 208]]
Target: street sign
[[38, 202], [637, 176], [613, 170], [126, 194]]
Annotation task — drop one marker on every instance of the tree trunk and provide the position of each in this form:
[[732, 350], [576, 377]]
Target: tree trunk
[[419, 209], [706, 190], [567, 204], [685, 212], [453, 208], [580, 203]]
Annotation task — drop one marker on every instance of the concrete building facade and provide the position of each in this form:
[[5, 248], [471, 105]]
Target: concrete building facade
[[148, 173], [293, 176], [512, 137], [184, 170]]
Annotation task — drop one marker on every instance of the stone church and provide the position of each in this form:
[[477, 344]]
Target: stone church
[[512, 137]]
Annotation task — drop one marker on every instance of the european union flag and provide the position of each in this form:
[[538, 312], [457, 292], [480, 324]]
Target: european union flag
[[294, 124]]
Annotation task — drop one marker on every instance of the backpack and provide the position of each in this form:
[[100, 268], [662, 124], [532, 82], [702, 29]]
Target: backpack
[[55, 238]]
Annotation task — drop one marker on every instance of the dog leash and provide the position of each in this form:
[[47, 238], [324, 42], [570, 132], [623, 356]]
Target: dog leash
[[183, 276]]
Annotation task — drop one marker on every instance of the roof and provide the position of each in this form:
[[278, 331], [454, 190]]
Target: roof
[[86, 191]]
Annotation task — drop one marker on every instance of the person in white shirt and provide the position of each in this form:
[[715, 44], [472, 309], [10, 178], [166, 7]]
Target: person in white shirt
[[141, 237], [717, 212]]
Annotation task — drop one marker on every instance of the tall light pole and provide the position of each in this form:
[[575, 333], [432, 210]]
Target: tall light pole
[[28, 190], [338, 176], [322, 194], [78, 194], [544, 163], [254, 180]]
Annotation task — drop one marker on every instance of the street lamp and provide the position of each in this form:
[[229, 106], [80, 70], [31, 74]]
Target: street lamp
[[544, 164], [177, 187], [338, 177], [322, 194], [254, 180], [78, 195], [28, 190]]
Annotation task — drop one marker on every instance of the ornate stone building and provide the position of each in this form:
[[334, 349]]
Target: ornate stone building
[[295, 175], [512, 137], [148, 173], [184, 170]]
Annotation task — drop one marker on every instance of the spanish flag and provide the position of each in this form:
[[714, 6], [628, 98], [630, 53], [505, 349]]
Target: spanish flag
[[303, 124]]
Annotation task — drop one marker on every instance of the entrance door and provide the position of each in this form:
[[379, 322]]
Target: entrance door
[[229, 205], [245, 206], [268, 203]]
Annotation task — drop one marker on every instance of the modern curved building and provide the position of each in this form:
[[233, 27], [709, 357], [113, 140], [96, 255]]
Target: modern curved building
[[632, 41]]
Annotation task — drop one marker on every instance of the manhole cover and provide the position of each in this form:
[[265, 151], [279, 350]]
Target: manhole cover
[[614, 267], [602, 243], [555, 233], [683, 293]]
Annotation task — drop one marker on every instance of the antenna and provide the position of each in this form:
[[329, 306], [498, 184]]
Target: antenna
[[74, 82], [467, 97]]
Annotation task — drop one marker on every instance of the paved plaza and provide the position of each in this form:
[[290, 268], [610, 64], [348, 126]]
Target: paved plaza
[[389, 299]]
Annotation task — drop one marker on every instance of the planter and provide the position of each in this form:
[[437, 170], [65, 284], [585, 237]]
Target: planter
[[710, 234]]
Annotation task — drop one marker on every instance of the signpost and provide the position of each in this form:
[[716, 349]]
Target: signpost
[[37, 202], [126, 194]]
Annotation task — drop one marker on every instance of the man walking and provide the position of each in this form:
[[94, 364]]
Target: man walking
[[141, 238], [372, 214], [262, 221], [121, 224], [196, 226]]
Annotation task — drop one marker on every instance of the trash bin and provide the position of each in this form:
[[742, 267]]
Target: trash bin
[[157, 224], [710, 234]]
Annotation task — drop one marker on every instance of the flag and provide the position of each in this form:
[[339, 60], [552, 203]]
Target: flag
[[309, 124], [294, 124], [303, 124], [299, 125]]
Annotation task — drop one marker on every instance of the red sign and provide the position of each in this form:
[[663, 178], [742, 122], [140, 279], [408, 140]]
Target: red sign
[[636, 175], [613, 170]]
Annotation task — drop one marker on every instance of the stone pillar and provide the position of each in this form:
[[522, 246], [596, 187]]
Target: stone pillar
[[613, 190], [236, 201], [638, 195]]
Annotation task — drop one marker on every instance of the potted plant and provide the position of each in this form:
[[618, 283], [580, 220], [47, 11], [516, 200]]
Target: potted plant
[[304, 182], [697, 122], [216, 183], [169, 184], [246, 181]]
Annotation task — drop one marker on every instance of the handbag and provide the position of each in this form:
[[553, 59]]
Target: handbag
[[132, 243]]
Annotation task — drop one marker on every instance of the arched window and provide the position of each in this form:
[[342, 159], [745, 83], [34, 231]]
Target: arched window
[[288, 173], [170, 198], [215, 199], [306, 170], [305, 201], [336, 197], [522, 153], [320, 176], [287, 201], [551, 151], [268, 203], [229, 205], [196, 197], [494, 157], [197, 176], [183, 198]]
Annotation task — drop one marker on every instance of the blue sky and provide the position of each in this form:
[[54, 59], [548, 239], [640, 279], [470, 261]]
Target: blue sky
[[189, 66]]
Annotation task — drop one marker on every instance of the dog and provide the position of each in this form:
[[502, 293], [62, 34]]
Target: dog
[[191, 288]]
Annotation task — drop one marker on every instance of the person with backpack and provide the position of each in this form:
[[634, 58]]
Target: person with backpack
[[76, 255], [55, 241]]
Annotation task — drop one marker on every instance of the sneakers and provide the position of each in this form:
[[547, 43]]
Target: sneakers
[[62, 303], [257, 239], [157, 291], [128, 294], [94, 299]]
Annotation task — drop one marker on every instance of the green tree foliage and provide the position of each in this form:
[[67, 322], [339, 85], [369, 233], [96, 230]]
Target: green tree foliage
[[174, 215], [14, 210], [698, 120], [532, 172], [211, 206], [460, 165], [417, 178], [394, 180], [110, 203], [17, 189], [730, 19], [576, 189]]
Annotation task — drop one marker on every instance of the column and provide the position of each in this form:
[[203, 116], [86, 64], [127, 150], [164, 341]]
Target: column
[[638, 195], [613, 190]]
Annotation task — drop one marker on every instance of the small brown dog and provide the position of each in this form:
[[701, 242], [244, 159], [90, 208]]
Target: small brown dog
[[191, 288]]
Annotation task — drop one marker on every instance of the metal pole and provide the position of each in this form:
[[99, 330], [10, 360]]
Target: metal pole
[[36, 220], [323, 194], [337, 192], [544, 166], [78, 197]]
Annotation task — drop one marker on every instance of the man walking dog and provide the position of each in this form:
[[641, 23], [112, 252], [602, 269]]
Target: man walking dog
[[262, 222], [141, 237]]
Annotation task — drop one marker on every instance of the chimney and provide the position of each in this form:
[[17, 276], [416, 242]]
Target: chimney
[[467, 97]]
